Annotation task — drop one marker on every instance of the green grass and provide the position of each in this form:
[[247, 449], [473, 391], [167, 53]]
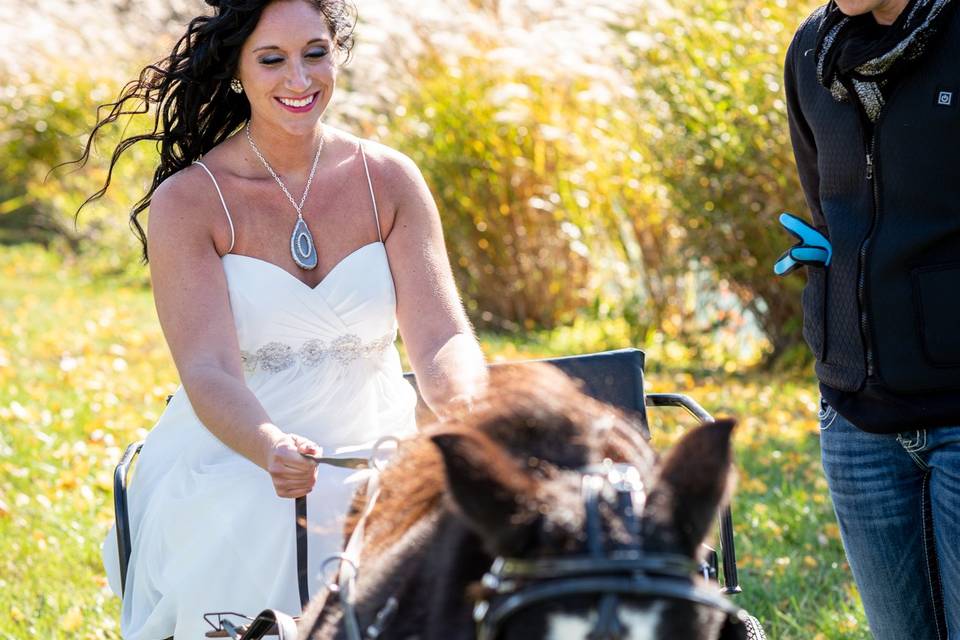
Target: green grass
[[84, 370]]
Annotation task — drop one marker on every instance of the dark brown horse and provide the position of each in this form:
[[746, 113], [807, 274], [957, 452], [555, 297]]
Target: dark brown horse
[[529, 477]]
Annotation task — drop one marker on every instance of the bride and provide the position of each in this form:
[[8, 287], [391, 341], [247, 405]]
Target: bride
[[284, 256]]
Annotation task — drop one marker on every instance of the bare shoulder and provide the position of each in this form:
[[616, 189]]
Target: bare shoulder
[[185, 211], [389, 168], [395, 168], [181, 188]]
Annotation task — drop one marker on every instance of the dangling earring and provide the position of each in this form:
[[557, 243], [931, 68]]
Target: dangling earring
[[235, 86]]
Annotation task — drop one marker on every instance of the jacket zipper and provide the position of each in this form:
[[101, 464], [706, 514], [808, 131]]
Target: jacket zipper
[[864, 324]]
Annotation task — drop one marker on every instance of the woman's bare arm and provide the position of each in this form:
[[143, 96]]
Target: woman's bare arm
[[440, 342], [190, 291]]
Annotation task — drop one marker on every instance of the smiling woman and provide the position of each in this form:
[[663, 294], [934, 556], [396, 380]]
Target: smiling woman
[[284, 340], [287, 67]]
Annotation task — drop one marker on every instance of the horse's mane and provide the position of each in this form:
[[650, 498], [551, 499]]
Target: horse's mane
[[534, 412]]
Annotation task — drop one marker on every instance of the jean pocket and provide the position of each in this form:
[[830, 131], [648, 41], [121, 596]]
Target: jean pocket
[[826, 415]]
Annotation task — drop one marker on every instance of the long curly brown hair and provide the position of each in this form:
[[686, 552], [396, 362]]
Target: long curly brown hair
[[188, 91]]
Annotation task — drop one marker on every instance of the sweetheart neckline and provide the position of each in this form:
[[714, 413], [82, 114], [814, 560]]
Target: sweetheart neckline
[[298, 280]]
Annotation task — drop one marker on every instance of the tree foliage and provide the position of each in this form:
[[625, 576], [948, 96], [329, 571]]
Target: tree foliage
[[712, 102]]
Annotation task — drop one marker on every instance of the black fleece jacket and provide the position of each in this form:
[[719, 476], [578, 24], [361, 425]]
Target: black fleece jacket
[[883, 320]]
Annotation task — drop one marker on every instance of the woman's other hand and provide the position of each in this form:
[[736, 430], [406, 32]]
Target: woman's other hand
[[293, 475]]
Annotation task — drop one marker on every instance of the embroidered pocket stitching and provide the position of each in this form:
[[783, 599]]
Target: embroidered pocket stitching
[[916, 443], [827, 418]]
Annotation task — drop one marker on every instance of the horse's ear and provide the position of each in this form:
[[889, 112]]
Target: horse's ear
[[693, 483], [487, 485]]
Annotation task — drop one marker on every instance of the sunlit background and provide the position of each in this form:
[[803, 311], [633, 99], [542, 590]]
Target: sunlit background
[[609, 175]]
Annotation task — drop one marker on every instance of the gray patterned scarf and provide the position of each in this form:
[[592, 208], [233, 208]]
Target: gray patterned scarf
[[854, 54]]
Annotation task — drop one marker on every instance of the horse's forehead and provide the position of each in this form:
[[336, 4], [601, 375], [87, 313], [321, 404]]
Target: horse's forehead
[[641, 622]]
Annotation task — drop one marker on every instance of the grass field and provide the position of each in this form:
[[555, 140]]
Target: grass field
[[84, 370]]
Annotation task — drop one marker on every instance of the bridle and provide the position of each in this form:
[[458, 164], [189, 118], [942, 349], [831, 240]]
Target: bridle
[[517, 584]]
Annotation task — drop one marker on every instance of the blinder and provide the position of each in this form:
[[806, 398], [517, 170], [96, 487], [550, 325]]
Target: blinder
[[517, 584]]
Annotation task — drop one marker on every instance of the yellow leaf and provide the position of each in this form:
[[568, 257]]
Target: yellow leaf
[[72, 620]]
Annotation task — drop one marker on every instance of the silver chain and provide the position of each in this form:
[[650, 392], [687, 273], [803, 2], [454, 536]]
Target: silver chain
[[316, 159]]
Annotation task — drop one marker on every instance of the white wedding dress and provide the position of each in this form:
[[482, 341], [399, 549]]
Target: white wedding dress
[[208, 530]]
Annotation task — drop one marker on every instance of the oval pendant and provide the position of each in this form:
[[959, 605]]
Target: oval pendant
[[301, 246]]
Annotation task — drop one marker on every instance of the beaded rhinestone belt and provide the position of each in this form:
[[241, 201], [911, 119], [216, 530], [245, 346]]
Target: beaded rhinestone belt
[[278, 356]]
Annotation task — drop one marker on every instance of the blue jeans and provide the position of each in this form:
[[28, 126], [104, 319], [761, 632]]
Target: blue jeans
[[897, 499]]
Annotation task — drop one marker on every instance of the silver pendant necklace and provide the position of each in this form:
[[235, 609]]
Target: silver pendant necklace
[[302, 248]]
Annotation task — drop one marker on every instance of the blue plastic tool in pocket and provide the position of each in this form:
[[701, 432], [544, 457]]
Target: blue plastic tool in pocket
[[813, 249]]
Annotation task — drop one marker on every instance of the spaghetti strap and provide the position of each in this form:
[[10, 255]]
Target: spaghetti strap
[[233, 235], [373, 198]]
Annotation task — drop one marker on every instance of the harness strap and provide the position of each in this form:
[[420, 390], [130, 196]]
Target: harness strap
[[350, 560], [302, 584], [684, 590], [668, 565], [590, 489]]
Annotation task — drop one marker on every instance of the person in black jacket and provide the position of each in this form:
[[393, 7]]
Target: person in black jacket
[[873, 96]]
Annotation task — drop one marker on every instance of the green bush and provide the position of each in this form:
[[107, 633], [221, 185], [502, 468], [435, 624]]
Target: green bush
[[550, 212], [711, 98], [504, 169], [41, 129]]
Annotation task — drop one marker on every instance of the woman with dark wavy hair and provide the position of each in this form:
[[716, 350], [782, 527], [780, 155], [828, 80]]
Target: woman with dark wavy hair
[[284, 255]]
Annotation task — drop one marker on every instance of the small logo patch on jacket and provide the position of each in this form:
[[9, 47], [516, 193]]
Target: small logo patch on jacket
[[945, 98]]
